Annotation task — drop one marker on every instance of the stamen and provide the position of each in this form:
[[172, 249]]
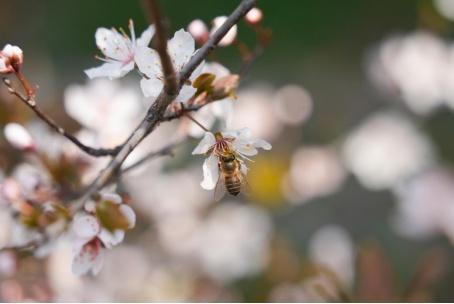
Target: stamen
[[122, 31], [105, 59], [132, 31]]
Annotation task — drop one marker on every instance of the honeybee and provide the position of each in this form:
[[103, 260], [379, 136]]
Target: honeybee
[[232, 170]]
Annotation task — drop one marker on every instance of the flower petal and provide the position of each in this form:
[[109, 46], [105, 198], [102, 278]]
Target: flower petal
[[111, 239], [129, 214], [263, 144], [98, 262], [110, 70], [113, 44], [210, 173], [244, 169], [244, 133], [205, 144], [244, 148], [86, 226], [151, 87], [111, 197], [148, 62], [186, 93], [12, 51], [181, 47], [85, 259], [146, 36]]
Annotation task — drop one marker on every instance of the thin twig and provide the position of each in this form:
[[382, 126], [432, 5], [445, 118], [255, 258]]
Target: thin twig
[[167, 150], [187, 109], [196, 122], [246, 66], [32, 104], [244, 7], [156, 111], [160, 41]]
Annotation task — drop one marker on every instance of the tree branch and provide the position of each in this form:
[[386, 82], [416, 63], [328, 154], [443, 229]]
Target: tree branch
[[167, 150], [156, 111], [32, 104], [160, 40], [214, 39]]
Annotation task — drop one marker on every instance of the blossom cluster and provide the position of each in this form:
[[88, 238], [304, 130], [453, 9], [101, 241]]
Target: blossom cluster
[[107, 115]]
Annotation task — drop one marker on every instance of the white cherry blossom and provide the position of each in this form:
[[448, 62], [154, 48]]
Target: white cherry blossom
[[214, 145], [91, 238], [181, 48], [119, 51]]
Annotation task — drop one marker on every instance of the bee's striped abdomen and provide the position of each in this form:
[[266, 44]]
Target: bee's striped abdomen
[[233, 184]]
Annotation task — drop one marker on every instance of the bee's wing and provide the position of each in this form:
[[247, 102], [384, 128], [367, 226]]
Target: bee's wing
[[245, 186], [219, 190]]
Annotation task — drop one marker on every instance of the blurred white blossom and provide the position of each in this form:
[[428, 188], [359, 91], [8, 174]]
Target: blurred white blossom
[[108, 109], [385, 149], [315, 171], [292, 104], [18, 137], [254, 109], [234, 241], [426, 205], [445, 8], [419, 67], [332, 247]]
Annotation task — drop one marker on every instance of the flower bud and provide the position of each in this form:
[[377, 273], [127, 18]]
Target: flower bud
[[5, 67], [254, 16], [199, 31], [11, 59], [230, 37], [18, 137], [10, 190]]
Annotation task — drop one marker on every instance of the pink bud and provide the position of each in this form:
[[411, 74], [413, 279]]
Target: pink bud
[[199, 31], [230, 37], [18, 137], [254, 16], [11, 59], [10, 189]]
